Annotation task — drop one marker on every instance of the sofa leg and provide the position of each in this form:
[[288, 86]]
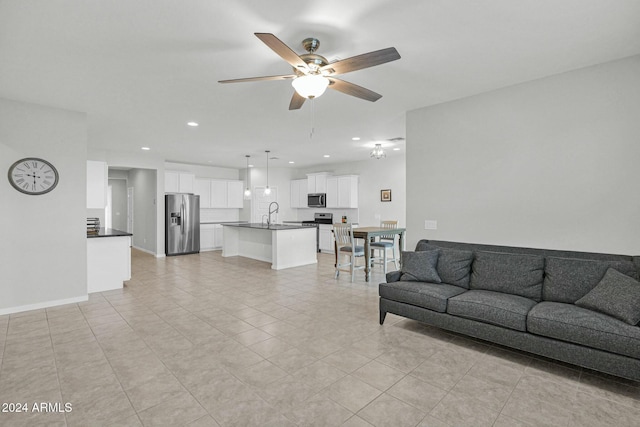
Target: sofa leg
[[383, 314]]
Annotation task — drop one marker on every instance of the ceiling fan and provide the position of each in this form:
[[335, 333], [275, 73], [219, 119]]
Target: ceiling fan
[[312, 73]]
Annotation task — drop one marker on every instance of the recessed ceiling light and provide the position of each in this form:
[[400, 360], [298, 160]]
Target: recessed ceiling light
[[291, 162], [192, 124], [326, 155], [355, 138], [145, 148], [396, 149]]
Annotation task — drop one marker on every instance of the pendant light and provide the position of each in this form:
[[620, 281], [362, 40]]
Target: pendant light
[[247, 191], [267, 190]]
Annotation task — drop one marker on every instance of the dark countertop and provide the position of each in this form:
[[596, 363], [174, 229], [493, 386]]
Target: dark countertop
[[265, 227], [223, 222], [109, 232]]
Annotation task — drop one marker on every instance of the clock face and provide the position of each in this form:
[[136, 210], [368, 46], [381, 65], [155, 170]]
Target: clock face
[[33, 176]]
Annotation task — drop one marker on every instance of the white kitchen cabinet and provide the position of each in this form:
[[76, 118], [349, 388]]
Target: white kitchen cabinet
[[326, 240], [348, 191], [332, 192], [179, 182], [218, 193], [217, 236], [207, 237], [203, 189], [299, 193], [97, 181], [317, 182], [235, 194]]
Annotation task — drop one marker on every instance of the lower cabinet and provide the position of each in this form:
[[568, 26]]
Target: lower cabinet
[[210, 237], [326, 239], [207, 233]]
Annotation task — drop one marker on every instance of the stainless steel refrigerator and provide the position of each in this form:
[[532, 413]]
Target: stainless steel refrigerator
[[182, 222]]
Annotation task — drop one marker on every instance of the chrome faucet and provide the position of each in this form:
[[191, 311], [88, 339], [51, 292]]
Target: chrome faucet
[[272, 211]]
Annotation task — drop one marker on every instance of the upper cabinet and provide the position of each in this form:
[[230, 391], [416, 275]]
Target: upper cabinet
[[342, 191], [235, 194], [317, 182], [179, 182], [299, 193], [203, 189], [97, 182], [219, 193]]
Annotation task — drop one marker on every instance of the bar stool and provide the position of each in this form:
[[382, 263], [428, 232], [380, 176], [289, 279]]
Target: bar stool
[[385, 242], [345, 246]]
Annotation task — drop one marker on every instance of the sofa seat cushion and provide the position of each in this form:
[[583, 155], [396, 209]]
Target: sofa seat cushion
[[509, 311], [569, 279], [568, 322], [432, 296], [516, 274], [454, 265]]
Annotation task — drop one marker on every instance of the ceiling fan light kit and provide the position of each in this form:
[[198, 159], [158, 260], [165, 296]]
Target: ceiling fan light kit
[[312, 73], [310, 86]]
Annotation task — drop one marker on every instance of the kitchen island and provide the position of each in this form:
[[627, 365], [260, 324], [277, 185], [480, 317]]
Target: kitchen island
[[108, 259], [284, 246]]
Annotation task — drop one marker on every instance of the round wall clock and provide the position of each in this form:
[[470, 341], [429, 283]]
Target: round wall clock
[[33, 176]]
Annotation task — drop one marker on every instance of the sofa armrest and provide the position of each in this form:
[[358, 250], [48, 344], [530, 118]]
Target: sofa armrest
[[393, 276]]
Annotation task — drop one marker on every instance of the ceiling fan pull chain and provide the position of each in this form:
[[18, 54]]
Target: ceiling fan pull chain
[[313, 109]]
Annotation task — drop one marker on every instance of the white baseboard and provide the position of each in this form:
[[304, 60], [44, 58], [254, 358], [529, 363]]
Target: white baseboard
[[145, 250], [40, 305]]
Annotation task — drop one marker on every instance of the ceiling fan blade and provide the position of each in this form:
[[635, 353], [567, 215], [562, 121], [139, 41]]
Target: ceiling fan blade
[[359, 62], [257, 79], [353, 89], [296, 101], [283, 50]]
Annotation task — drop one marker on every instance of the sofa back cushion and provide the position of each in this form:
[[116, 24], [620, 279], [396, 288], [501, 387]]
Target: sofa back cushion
[[420, 266], [454, 265], [514, 274], [569, 279]]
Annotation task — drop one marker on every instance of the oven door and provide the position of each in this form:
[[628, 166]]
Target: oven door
[[317, 200]]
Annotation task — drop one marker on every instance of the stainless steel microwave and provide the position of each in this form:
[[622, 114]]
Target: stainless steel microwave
[[317, 200]]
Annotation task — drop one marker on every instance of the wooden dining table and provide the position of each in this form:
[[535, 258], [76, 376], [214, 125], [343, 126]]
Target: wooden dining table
[[369, 234]]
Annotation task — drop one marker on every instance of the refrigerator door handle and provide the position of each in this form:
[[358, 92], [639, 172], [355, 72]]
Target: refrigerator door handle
[[182, 218]]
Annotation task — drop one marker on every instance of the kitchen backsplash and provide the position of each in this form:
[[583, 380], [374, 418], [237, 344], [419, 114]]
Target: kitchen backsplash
[[212, 215]]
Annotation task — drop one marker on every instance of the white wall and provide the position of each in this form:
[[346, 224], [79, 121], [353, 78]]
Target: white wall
[[43, 248], [118, 203], [144, 183], [551, 163], [212, 172]]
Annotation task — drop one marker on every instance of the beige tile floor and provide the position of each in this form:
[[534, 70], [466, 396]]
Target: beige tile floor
[[202, 340]]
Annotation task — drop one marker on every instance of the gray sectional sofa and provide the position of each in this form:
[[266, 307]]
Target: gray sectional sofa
[[576, 307]]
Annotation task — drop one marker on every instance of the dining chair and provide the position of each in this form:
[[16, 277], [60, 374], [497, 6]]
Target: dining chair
[[386, 241], [345, 246]]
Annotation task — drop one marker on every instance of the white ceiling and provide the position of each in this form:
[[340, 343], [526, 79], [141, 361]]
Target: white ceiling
[[141, 69]]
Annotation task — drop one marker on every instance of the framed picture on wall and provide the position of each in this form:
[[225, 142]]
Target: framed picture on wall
[[385, 195]]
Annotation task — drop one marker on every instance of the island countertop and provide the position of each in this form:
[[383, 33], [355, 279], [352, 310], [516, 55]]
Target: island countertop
[[109, 232], [258, 225]]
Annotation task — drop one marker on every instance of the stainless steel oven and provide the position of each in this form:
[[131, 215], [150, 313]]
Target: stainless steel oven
[[319, 218]]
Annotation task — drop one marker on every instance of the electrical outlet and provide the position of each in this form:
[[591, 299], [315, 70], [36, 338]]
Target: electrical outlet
[[430, 224]]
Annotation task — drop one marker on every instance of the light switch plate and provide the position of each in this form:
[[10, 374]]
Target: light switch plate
[[430, 224]]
